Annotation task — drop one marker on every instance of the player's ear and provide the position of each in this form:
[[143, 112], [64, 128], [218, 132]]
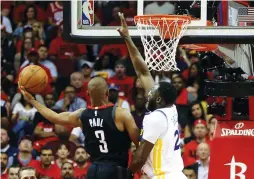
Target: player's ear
[[158, 100]]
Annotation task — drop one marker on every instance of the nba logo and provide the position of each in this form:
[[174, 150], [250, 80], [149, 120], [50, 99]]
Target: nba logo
[[88, 12]]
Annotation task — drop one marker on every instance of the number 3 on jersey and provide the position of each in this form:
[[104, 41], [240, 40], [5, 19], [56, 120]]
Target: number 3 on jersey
[[177, 145], [100, 135]]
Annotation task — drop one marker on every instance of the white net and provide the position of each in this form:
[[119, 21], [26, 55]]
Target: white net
[[160, 37]]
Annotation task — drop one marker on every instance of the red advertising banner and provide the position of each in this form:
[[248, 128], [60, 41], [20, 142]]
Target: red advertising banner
[[232, 151]]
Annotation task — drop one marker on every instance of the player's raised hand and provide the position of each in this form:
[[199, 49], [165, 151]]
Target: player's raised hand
[[27, 96], [123, 30]]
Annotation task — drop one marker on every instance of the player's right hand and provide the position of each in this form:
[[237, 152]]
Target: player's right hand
[[123, 30], [27, 96]]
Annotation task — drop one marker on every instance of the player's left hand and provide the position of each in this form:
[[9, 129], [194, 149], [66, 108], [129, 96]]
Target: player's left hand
[[28, 97]]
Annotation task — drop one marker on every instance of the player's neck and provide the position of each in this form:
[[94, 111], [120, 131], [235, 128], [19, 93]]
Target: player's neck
[[101, 102]]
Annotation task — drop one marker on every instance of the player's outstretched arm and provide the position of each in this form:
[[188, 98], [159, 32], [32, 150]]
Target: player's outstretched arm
[[65, 118], [140, 66], [129, 124]]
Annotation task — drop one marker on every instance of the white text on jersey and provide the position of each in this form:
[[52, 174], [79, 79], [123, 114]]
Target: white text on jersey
[[96, 122]]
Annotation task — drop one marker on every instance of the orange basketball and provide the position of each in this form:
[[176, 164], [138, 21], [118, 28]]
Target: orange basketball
[[34, 79]]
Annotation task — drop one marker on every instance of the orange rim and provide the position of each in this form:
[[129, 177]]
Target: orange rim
[[200, 47], [160, 17], [159, 20]]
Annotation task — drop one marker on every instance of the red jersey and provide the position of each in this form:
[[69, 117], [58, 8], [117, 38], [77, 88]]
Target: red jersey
[[55, 11], [53, 171], [41, 142], [125, 85], [48, 88], [4, 175], [80, 173], [182, 98], [4, 96]]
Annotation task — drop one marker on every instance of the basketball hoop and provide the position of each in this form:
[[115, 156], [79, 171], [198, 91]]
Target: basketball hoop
[[160, 35], [201, 47]]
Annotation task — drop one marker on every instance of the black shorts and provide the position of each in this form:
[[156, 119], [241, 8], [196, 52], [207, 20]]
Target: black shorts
[[108, 171]]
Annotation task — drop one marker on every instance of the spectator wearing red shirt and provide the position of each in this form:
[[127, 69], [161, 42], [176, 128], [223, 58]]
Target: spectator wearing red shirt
[[78, 82], [30, 15], [55, 12], [6, 8], [67, 170], [81, 159], [62, 154], [45, 166], [183, 96], [200, 132], [4, 162], [28, 33], [18, 12], [44, 133], [125, 83], [33, 58], [119, 50], [64, 54]]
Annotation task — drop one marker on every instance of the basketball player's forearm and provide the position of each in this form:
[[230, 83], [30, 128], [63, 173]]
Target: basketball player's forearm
[[136, 164], [52, 116], [136, 58]]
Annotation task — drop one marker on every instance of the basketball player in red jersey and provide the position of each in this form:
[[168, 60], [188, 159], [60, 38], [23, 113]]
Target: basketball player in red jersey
[[108, 131]]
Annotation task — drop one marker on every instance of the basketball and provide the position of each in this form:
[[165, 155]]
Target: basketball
[[34, 79]]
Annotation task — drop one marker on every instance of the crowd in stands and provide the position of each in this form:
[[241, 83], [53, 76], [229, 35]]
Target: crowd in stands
[[32, 33]]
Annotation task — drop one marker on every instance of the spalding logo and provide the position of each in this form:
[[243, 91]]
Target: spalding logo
[[237, 131]]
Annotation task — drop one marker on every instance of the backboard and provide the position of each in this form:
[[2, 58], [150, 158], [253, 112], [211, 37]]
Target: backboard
[[93, 21]]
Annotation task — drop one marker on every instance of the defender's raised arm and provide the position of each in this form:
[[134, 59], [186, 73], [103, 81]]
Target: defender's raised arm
[[139, 64]]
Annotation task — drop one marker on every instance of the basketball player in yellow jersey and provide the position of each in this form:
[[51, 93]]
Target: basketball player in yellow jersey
[[159, 153]]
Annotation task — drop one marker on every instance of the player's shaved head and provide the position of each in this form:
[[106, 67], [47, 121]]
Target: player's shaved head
[[98, 90]]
